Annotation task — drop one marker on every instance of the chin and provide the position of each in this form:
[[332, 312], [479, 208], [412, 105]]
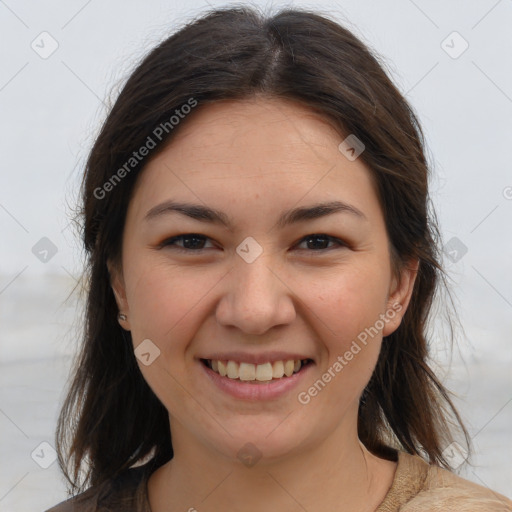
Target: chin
[[253, 442]]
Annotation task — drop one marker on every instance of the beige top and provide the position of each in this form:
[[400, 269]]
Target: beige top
[[416, 487]]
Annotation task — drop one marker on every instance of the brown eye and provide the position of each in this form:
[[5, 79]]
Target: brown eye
[[318, 242], [187, 242]]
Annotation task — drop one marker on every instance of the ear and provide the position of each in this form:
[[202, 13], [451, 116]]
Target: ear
[[118, 287], [400, 295]]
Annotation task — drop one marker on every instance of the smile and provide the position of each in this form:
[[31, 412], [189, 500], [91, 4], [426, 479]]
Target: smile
[[255, 382], [256, 372]]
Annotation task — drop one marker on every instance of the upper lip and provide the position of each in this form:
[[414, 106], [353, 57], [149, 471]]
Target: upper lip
[[261, 358]]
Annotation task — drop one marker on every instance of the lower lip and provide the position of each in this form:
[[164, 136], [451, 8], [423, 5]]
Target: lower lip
[[253, 391]]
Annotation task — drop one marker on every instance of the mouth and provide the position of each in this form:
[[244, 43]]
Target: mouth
[[257, 373]]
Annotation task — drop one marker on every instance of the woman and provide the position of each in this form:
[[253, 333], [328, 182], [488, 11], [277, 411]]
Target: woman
[[262, 262]]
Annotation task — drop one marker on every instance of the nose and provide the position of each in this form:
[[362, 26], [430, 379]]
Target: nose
[[255, 298]]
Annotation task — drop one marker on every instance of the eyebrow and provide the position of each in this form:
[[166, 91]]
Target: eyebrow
[[213, 216]]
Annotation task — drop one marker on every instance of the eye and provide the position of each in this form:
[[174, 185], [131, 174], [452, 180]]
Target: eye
[[194, 242], [319, 242], [190, 242]]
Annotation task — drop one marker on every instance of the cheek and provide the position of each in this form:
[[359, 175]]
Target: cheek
[[348, 307], [348, 302], [162, 301], [161, 296]]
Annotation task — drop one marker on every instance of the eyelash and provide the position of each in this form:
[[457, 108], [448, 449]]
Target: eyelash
[[170, 242]]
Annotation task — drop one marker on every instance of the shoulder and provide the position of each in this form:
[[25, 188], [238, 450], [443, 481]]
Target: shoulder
[[451, 492], [127, 491], [420, 487], [84, 502]]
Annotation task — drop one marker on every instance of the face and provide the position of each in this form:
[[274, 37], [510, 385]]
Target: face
[[227, 256]]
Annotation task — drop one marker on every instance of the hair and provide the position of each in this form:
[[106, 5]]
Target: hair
[[236, 54]]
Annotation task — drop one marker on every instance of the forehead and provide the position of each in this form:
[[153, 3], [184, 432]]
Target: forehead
[[265, 150], [281, 130]]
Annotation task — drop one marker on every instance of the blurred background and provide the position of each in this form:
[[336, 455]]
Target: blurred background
[[60, 64]]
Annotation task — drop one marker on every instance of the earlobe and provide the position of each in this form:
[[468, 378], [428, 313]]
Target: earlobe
[[400, 296]]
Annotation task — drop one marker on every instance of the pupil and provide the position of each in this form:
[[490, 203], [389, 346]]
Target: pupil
[[197, 241], [321, 238]]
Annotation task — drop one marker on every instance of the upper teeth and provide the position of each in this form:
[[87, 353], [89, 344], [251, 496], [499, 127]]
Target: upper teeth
[[261, 372]]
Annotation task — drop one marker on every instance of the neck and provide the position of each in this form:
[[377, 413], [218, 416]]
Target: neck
[[338, 474]]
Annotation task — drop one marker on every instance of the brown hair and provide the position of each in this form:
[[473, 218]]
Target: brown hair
[[234, 54]]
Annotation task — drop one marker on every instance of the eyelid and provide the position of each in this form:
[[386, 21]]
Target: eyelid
[[330, 238], [167, 242]]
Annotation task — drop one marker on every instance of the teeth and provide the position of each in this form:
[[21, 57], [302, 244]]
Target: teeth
[[264, 372], [246, 371], [222, 368], [260, 372], [232, 369], [288, 367], [278, 369]]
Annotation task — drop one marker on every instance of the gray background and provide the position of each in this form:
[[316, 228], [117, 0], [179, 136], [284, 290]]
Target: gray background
[[51, 109]]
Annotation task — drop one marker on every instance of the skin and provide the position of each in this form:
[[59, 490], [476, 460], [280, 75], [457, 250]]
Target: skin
[[255, 159]]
